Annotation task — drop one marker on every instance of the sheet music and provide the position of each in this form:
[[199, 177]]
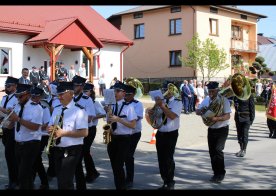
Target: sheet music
[[156, 93], [109, 96]]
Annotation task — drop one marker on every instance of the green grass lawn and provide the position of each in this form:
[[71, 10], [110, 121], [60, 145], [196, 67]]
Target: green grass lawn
[[260, 108]]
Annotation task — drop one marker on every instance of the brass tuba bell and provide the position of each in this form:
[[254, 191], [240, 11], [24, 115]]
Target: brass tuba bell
[[135, 83]]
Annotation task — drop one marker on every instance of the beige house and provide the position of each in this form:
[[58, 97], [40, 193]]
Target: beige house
[[160, 34]]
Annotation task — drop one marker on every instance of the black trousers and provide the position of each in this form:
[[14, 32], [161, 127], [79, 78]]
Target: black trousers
[[87, 142], [87, 157], [51, 171], [134, 139], [216, 144], [26, 154], [66, 160], [102, 87], [271, 126], [9, 144], [165, 147], [242, 132], [38, 165], [117, 151]]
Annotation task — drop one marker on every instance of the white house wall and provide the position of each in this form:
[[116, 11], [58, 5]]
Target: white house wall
[[15, 43], [109, 58]]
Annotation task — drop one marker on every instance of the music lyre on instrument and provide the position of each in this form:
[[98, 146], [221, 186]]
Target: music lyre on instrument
[[109, 99]]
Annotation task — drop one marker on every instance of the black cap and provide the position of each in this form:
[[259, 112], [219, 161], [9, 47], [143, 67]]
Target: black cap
[[21, 88], [64, 86], [78, 80], [119, 86], [212, 85], [11, 80], [88, 86], [34, 67], [37, 91], [130, 89]]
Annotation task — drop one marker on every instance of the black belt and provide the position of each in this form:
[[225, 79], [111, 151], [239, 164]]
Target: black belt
[[120, 136], [28, 142], [166, 133]]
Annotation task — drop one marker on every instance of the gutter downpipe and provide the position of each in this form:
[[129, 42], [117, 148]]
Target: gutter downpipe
[[121, 62], [194, 31]]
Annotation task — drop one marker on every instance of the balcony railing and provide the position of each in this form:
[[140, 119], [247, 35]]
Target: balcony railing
[[244, 45]]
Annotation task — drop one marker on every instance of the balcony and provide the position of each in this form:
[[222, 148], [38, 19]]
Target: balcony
[[244, 45]]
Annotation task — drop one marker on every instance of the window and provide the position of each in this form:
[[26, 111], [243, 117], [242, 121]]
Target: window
[[175, 26], [175, 58], [138, 15], [213, 26], [214, 10], [139, 31], [95, 66], [243, 17], [236, 32], [236, 60], [175, 9], [5, 60]]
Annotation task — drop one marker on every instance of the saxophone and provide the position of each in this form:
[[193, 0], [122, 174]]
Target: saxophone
[[52, 140], [107, 127]]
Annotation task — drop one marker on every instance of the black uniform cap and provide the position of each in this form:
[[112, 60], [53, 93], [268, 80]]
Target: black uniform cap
[[64, 86], [21, 88], [36, 91], [11, 80], [88, 86], [212, 85], [130, 89], [119, 86], [78, 80]]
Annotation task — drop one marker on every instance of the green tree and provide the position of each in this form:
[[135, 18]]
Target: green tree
[[260, 68], [205, 56]]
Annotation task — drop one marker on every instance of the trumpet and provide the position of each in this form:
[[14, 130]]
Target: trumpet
[[5, 122], [107, 127], [52, 140]]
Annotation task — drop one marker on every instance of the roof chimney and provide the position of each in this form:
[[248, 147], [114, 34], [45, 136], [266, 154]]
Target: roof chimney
[[260, 34]]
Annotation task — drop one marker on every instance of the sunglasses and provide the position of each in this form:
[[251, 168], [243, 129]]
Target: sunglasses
[[8, 85], [20, 96]]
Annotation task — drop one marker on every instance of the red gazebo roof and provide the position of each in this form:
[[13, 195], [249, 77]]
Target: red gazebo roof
[[36, 20]]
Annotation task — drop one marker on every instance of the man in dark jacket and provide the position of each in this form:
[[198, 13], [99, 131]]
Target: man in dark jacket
[[244, 117]]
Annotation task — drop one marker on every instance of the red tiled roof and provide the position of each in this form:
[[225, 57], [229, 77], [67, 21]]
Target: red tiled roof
[[263, 40], [33, 19], [66, 31]]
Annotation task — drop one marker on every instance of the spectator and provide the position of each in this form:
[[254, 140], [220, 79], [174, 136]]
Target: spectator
[[24, 78], [101, 83], [82, 71], [34, 76], [72, 72]]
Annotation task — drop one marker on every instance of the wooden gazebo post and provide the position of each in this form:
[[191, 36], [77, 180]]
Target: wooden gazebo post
[[54, 53], [88, 53]]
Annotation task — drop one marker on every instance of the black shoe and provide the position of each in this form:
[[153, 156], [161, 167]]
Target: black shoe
[[243, 153], [217, 178], [238, 154], [171, 186], [44, 187], [164, 187], [92, 178], [270, 134], [11, 186], [129, 185]]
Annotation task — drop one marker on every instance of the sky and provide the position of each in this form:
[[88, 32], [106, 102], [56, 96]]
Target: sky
[[264, 25]]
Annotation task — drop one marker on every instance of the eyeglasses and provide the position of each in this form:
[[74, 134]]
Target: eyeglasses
[[35, 96]]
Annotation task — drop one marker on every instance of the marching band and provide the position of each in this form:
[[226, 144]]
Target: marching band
[[66, 125]]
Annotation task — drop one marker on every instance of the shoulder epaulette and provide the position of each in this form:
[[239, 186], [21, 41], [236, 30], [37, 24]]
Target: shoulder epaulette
[[135, 101], [5, 95], [33, 103], [78, 105], [85, 97], [58, 106], [177, 99]]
